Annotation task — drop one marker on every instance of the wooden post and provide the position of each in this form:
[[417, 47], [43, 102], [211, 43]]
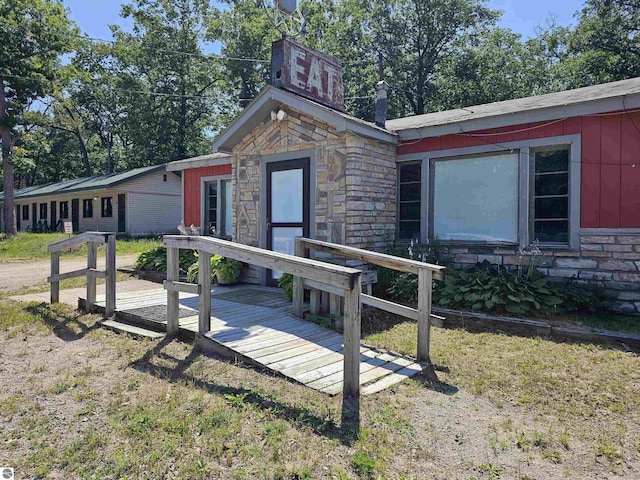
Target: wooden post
[[425, 284], [110, 282], [298, 287], [173, 274], [55, 269], [204, 279], [314, 301], [351, 338], [92, 263]]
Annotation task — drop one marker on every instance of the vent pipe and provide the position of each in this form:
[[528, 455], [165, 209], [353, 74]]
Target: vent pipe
[[381, 103]]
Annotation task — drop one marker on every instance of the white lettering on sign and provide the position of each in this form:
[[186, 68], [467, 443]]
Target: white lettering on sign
[[308, 73], [296, 68]]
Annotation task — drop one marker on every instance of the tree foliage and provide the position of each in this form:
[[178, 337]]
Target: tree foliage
[[33, 35]]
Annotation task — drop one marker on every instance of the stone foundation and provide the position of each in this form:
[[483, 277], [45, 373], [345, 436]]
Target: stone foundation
[[610, 260]]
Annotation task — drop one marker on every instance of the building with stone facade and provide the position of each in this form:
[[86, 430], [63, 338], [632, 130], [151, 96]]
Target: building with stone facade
[[560, 170]]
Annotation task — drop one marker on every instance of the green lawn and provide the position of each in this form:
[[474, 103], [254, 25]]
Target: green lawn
[[32, 246], [81, 402]]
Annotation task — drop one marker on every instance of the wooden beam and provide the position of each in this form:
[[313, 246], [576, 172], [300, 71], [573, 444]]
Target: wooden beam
[[110, 283], [335, 275], [185, 287], [390, 307], [55, 270], [204, 280], [173, 273], [92, 263], [375, 258], [96, 237], [77, 273], [298, 283], [425, 284], [351, 336], [314, 301]]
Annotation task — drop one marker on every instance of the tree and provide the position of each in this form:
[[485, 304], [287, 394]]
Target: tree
[[165, 82], [33, 33], [605, 46]]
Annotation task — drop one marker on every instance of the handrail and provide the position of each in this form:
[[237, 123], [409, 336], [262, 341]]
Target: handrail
[[96, 237], [335, 275], [426, 274], [344, 279], [92, 239], [375, 258]]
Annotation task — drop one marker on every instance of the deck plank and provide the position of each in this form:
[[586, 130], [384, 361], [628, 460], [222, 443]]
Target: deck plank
[[256, 322]]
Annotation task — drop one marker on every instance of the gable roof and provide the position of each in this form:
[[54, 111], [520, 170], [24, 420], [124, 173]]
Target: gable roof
[[209, 160], [607, 97], [86, 183], [271, 98]]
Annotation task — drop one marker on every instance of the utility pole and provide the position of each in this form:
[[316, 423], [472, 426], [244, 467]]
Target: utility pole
[[7, 142]]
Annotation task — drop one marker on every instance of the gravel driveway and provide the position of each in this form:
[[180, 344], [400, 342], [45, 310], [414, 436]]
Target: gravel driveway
[[14, 275]]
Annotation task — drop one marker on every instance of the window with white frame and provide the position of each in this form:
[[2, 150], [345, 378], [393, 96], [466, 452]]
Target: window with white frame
[[514, 195], [217, 208]]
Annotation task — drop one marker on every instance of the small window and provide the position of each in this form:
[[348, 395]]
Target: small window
[[409, 203], [64, 209], [87, 208], [550, 202], [25, 212], [218, 208], [164, 177], [212, 208], [107, 209], [43, 211]]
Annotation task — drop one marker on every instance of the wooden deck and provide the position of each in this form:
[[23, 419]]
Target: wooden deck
[[254, 324]]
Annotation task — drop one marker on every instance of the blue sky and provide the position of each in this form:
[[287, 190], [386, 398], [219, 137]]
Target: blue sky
[[522, 16]]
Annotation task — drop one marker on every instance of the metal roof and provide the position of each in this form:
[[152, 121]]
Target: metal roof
[[86, 183], [606, 97]]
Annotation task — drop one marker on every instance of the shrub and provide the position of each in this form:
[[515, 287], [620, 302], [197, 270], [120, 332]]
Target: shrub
[[221, 267], [489, 288], [286, 283], [156, 259]]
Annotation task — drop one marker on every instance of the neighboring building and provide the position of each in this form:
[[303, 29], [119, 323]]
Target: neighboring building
[[562, 168], [143, 201]]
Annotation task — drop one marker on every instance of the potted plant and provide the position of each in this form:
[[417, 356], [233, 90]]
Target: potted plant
[[227, 270]]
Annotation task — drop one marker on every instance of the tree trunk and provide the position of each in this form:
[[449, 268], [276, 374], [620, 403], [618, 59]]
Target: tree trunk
[[7, 164]]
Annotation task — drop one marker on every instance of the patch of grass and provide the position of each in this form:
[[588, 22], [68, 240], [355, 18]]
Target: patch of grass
[[608, 321], [31, 246], [363, 464]]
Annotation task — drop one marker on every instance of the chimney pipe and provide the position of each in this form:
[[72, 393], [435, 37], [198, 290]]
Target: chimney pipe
[[381, 103]]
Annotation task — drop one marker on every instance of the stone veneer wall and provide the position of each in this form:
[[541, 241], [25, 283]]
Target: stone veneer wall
[[610, 259], [355, 181]]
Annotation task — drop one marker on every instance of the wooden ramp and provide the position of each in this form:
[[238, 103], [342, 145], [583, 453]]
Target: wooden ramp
[[254, 324]]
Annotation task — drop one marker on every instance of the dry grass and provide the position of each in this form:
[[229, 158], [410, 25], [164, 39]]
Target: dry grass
[[81, 402]]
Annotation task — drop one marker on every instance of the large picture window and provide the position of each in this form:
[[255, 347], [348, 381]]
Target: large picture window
[[513, 193], [476, 198]]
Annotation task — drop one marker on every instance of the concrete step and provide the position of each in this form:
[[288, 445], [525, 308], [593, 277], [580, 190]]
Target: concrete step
[[131, 329]]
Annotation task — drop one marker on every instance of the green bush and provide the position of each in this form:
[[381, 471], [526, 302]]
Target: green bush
[[286, 283], [489, 288], [156, 259], [223, 268]]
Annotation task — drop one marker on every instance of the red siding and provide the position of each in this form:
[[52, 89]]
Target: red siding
[[192, 195], [610, 173]]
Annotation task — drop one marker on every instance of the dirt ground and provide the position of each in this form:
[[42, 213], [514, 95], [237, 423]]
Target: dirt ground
[[446, 433], [15, 275]]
